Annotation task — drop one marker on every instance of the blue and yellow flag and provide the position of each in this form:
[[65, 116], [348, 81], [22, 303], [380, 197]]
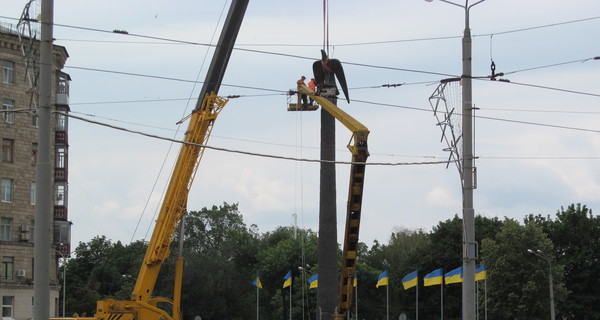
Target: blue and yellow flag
[[433, 278], [287, 280], [481, 273], [314, 281], [355, 282], [410, 280], [257, 283], [454, 276], [383, 279]]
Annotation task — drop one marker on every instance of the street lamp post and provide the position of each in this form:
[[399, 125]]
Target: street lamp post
[[550, 281], [64, 287], [467, 170]]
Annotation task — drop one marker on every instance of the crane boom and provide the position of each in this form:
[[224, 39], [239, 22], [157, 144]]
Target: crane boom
[[360, 153], [142, 305]]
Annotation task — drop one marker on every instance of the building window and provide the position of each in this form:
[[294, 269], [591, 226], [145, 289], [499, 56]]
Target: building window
[[32, 237], [7, 307], [62, 231], [34, 153], [5, 229], [60, 157], [9, 72], [8, 265], [32, 194], [7, 104], [35, 120], [60, 195], [61, 122], [6, 190], [8, 147]]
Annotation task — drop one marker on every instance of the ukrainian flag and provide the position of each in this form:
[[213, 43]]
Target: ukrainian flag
[[481, 273], [410, 280], [355, 279], [287, 279], [454, 276], [433, 278], [383, 279], [313, 281], [257, 283]]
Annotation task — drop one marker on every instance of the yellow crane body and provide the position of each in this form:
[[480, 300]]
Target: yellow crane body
[[142, 305], [360, 153]]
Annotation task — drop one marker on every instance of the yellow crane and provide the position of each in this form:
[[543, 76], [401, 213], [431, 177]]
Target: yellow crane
[[142, 305], [360, 153]]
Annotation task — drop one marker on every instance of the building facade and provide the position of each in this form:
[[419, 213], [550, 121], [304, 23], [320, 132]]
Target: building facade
[[19, 58]]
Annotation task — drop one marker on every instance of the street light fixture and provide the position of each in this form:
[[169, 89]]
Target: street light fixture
[[467, 170], [540, 254]]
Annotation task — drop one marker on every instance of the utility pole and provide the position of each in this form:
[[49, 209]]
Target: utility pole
[[467, 170], [43, 221]]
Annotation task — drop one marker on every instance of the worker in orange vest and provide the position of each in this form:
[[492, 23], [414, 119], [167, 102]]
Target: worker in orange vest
[[313, 86]]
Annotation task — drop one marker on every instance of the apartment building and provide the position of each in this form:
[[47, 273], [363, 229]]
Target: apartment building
[[19, 60]]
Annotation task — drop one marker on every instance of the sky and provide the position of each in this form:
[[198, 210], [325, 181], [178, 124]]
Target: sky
[[536, 137]]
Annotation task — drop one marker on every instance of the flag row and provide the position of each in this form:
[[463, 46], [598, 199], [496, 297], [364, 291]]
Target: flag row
[[313, 281], [410, 280], [438, 277]]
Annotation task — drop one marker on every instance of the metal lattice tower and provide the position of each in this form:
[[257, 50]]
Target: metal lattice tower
[[444, 101], [28, 30]]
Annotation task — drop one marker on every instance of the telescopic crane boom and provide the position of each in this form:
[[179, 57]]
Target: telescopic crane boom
[[358, 148], [142, 305]]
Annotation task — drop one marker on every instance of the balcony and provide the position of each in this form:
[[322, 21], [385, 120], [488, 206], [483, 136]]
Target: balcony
[[61, 174], [60, 137], [61, 213]]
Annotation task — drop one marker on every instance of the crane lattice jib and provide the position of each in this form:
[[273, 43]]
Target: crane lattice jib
[[175, 200], [360, 153]]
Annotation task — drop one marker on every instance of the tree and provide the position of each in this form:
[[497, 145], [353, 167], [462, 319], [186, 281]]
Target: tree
[[576, 237], [517, 280], [101, 270], [221, 254], [279, 253]]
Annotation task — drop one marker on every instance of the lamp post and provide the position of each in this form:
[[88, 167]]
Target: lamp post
[[64, 287], [467, 170], [540, 254]]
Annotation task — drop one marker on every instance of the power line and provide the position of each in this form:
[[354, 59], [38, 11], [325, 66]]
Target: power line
[[247, 152], [485, 117], [552, 88], [309, 45]]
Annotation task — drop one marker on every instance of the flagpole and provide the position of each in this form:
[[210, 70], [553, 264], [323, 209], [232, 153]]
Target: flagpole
[[417, 299], [476, 300], [257, 295], [387, 293], [290, 302], [356, 303], [485, 296], [442, 299]]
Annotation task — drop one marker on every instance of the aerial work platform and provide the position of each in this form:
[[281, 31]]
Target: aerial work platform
[[299, 106]]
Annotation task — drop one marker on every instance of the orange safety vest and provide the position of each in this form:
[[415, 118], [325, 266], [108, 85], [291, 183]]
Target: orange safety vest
[[312, 85]]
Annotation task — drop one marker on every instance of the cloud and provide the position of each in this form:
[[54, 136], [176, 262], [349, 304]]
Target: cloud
[[441, 197]]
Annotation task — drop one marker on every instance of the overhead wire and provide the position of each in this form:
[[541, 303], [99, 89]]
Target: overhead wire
[[244, 152], [173, 41]]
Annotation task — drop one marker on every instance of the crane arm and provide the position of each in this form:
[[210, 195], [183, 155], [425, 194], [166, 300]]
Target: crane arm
[[360, 153], [175, 200]]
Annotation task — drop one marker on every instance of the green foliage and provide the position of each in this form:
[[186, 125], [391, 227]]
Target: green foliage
[[517, 279], [101, 270], [223, 256], [575, 234]]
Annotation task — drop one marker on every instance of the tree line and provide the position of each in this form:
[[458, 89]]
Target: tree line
[[223, 256]]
